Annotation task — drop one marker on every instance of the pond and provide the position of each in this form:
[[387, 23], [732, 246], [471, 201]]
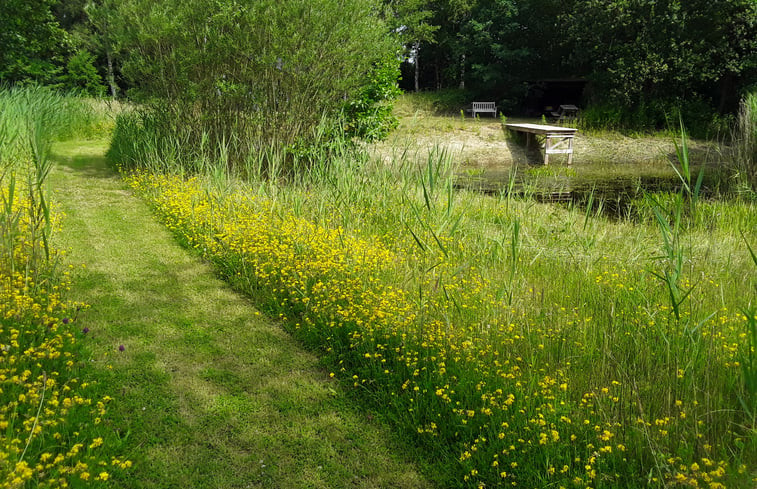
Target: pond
[[618, 187]]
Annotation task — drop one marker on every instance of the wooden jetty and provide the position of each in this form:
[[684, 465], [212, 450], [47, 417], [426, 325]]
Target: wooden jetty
[[557, 140]]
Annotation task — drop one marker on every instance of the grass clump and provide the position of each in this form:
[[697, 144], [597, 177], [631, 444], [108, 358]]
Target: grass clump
[[52, 429], [440, 102], [745, 144]]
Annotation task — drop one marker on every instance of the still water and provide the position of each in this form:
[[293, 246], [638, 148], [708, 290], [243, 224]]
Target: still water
[[616, 187]]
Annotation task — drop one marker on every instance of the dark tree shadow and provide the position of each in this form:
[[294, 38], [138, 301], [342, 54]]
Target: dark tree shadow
[[524, 147]]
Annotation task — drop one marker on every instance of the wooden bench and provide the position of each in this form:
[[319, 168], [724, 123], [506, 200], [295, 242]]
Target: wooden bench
[[477, 107], [557, 140]]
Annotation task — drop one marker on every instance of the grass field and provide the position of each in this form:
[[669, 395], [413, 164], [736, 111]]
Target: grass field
[[481, 339], [125, 362]]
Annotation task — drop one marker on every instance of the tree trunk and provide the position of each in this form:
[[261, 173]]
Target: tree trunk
[[417, 49], [436, 74], [462, 72], [111, 75]]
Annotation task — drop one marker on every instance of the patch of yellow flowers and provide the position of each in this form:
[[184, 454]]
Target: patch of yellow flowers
[[498, 393], [49, 433]]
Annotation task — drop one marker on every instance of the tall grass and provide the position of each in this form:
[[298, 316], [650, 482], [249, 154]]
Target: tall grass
[[32, 119], [146, 139], [745, 143]]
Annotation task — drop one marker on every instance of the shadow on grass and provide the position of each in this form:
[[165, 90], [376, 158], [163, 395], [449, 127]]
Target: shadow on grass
[[524, 151], [93, 167], [86, 158]]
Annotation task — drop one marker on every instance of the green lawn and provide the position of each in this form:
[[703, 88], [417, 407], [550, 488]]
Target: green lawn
[[207, 392]]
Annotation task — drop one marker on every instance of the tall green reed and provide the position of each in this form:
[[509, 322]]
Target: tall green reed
[[748, 355], [745, 143], [687, 337], [153, 140], [32, 118], [672, 223]]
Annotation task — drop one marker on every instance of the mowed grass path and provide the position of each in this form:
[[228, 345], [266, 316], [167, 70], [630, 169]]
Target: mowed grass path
[[207, 393]]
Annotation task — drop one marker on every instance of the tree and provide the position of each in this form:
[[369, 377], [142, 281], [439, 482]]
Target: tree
[[32, 43], [651, 50], [474, 43], [453, 40], [99, 14], [82, 75], [494, 53], [410, 20], [540, 35]]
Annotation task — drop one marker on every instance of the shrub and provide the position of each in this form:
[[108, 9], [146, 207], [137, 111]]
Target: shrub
[[82, 75], [369, 114], [255, 76]]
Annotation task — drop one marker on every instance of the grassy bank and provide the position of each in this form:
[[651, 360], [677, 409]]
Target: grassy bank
[[511, 342], [483, 143]]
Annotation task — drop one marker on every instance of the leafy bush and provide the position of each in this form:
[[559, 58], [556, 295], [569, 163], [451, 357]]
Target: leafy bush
[[369, 114], [82, 75], [264, 74]]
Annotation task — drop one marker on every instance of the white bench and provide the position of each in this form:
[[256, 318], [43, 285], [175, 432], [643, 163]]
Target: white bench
[[483, 107]]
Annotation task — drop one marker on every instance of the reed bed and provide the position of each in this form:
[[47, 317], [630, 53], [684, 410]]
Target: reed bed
[[512, 343], [53, 418], [745, 144]]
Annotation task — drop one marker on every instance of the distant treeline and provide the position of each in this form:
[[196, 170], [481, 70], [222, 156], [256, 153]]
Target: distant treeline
[[640, 59]]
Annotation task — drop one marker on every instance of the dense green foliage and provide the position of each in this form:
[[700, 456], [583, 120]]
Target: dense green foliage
[[32, 43], [650, 50], [256, 75], [644, 62], [646, 58], [82, 75], [655, 57], [368, 114]]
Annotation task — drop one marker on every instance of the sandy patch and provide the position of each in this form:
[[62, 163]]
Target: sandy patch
[[483, 144]]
